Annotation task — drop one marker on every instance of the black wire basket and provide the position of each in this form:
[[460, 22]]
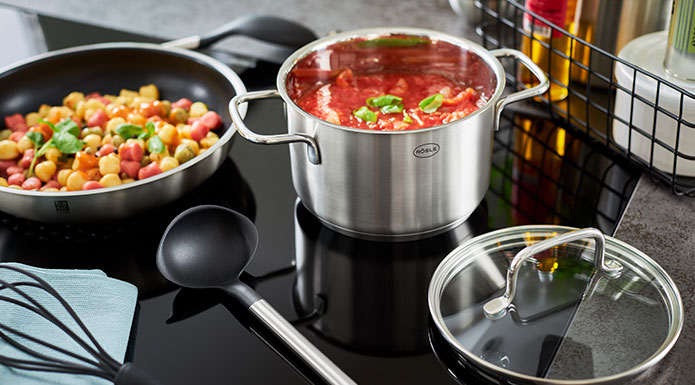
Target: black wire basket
[[660, 148]]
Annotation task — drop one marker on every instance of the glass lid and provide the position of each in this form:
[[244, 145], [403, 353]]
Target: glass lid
[[552, 304]]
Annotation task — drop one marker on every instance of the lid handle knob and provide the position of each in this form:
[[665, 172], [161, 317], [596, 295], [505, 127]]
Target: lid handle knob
[[497, 308]]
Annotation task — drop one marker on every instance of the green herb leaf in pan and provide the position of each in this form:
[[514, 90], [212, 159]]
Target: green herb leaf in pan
[[430, 104], [68, 125], [149, 131], [155, 144], [392, 109], [365, 114], [384, 100], [67, 143], [407, 118], [35, 137], [127, 131]]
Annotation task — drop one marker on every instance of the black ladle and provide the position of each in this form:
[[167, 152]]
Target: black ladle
[[209, 247]]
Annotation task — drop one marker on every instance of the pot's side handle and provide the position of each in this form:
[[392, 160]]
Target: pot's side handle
[[542, 86], [244, 131]]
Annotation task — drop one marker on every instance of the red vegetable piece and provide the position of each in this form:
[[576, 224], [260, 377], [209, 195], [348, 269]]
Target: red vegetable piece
[[91, 185], [15, 170], [344, 78], [199, 130], [190, 121], [17, 179], [149, 170], [16, 122], [130, 151], [105, 149], [99, 118], [130, 167], [4, 165], [16, 136], [182, 103], [51, 184], [32, 183], [25, 162], [211, 119]]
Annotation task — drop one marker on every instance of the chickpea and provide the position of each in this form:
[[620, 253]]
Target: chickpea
[[138, 119], [76, 180], [80, 109], [184, 131], [110, 180], [202, 150], [111, 98], [117, 140], [96, 130], [3, 182], [178, 115], [166, 105], [24, 144], [95, 104], [127, 180], [63, 176], [56, 114], [197, 109], [209, 140], [8, 150], [150, 91], [113, 123], [145, 161], [92, 141], [53, 154], [51, 189], [88, 112], [15, 186], [43, 110], [107, 139], [32, 119], [128, 93], [184, 153], [139, 100], [45, 170], [157, 156], [72, 99], [140, 142], [5, 134], [167, 163], [109, 164], [168, 134], [192, 144], [63, 189]]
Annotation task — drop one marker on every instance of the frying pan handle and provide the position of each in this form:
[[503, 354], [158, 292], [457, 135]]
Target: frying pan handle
[[542, 86], [497, 308], [244, 131], [265, 28]]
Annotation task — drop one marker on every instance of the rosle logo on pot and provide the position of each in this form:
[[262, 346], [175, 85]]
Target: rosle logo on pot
[[426, 150]]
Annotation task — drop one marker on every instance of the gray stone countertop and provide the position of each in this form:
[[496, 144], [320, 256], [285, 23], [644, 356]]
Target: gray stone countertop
[[656, 221]]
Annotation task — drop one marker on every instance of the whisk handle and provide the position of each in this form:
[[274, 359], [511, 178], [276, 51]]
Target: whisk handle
[[130, 374]]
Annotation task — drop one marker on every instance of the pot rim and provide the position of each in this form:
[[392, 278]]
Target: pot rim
[[455, 261], [205, 60], [468, 45]]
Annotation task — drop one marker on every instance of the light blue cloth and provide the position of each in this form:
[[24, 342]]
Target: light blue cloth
[[105, 305]]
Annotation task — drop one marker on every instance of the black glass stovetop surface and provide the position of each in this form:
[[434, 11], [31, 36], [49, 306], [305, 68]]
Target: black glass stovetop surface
[[362, 303]]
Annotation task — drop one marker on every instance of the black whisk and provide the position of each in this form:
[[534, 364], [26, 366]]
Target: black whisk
[[100, 364]]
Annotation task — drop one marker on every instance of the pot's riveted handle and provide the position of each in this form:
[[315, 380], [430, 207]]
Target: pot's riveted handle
[[497, 308], [244, 131], [542, 86]]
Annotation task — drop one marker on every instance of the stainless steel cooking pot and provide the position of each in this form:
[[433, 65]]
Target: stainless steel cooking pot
[[390, 184]]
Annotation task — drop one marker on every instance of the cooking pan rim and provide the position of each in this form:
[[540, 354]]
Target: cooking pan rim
[[228, 73], [455, 261], [484, 54]]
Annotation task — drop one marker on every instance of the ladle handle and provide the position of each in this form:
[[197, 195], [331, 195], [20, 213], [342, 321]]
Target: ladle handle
[[298, 343]]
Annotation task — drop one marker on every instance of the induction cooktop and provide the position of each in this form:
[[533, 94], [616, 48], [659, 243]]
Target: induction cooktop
[[363, 303]]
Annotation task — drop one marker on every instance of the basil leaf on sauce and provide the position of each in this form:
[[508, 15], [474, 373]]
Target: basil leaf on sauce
[[155, 144], [430, 104], [392, 109], [384, 100], [407, 118], [35, 137], [149, 131], [66, 142], [393, 42], [365, 114], [129, 130]]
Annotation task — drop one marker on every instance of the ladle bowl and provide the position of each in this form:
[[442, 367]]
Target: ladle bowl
[[209, 247]]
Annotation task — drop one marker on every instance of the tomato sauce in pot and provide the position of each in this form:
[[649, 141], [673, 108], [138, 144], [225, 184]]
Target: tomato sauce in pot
[[391, 83]]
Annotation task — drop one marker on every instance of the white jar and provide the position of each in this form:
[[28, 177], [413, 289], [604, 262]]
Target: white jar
[[647, 52]]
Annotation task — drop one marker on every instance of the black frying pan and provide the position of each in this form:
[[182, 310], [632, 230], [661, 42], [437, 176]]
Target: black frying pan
[[108, 68]]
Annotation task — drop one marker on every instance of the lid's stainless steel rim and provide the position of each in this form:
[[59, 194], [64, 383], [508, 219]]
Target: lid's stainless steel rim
[[457, 260], [372, 33]]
